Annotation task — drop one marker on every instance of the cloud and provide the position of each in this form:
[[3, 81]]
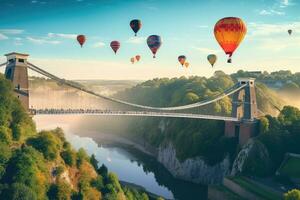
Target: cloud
[[42, 40], [62, 35], [264, 29], [274, 37], [11, 31], [99, 45], [18, 41], [271, 12], [280, 44], [3, 37], [136, 40], [206, 50], [285, 3], [277, 8]]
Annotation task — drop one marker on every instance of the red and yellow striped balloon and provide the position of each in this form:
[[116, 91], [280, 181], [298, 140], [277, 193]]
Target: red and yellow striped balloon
[[229, 33]]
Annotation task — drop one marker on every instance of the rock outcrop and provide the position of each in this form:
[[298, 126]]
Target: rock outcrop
[[252, 159], [193, 169]]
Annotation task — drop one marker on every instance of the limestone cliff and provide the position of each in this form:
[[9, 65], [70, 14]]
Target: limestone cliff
[[192, 169]]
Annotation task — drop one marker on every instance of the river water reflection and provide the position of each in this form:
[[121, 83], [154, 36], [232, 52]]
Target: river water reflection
[[134, 167]]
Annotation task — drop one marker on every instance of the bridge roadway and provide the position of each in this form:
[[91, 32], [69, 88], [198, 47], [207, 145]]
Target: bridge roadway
[[127, 113]]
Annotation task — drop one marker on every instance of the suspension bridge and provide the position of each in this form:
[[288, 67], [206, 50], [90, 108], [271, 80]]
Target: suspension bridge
[[242, 122]]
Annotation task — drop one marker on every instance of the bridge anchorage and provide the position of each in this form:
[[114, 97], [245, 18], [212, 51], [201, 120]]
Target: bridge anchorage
[[242, 123]]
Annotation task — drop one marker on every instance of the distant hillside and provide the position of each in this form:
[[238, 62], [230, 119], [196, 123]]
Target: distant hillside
[[105, 87]]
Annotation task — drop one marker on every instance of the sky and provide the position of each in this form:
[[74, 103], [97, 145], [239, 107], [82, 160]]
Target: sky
[[47, 31]]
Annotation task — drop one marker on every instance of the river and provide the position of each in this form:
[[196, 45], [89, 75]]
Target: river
[[130, 165]]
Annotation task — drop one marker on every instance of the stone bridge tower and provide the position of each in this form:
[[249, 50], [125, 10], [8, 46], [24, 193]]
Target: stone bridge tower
[[244, 107], [16, 71]]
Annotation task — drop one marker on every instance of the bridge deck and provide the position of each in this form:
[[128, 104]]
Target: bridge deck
[[129, 113]]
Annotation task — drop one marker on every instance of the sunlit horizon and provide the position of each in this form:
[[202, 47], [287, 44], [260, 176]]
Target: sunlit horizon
[[47, 31]]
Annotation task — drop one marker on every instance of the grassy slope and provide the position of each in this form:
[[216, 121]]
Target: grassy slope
[[291, 167], [251, 187]]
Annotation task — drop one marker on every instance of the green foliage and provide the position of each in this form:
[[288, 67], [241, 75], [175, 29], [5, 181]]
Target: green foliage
[[20, 191], [47, 143], [81, 157], [98, 183], [263, 125], [5, 135], [134, 194], [59, 170], [60, 191], [292, 195], [103, 171], [69, 156], [289, 115], [27, 166], [94, 162], [113, 179], [282, 136], [5, 155]]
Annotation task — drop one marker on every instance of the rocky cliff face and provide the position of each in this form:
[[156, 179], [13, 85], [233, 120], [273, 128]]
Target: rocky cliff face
[[252, 159], [193, 169]]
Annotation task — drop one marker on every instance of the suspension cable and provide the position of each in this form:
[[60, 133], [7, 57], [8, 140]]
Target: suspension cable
[[1, 65], [268, 99], [71, 84]]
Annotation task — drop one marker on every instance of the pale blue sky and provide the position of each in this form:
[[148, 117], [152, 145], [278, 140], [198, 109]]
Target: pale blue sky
[[46, 30]]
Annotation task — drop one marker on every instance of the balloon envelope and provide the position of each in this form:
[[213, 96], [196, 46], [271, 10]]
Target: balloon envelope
[[186, 64], [154, 42], [229, 33], [81, 39], [290, 32], [115, 45], [181, 59], [132, 60], [138, 57], [212, 58], [135, 25]]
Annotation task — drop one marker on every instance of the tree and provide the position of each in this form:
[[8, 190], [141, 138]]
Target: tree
[[69, 156], [289, 115], [292, 195], [47, 143], [98, 183], [20, 191], [27, 166], [94, 161], [264, 125], [81, 156], [60, 191], [103, 171]]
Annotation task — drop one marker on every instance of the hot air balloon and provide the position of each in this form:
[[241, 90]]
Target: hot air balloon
[[135, 25], [182, 59], [138, 57], [230, 32], [186, 64], [132, 60], [290, 32], [115, 45], [212, 58], [154, 42], [81, 39]]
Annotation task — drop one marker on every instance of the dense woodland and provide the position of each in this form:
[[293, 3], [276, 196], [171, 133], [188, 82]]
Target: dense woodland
[[38, 166], [286, 79], [192, 137], [279, 135]]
